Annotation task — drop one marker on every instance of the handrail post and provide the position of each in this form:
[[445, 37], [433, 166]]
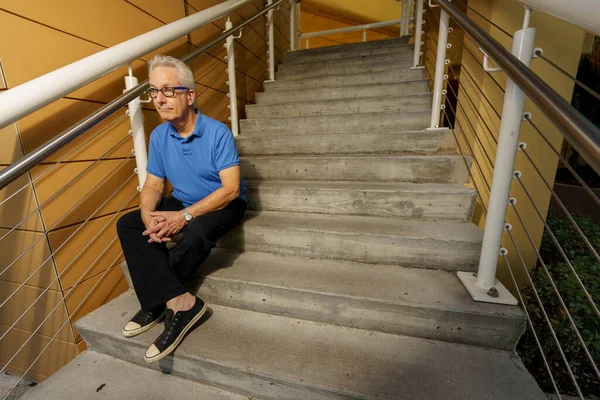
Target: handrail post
[[292, 25], [271, 41], [440, 70], [486, 287], [232, 81], [364, 35], [403, 10], [418, 33], [136, 118]]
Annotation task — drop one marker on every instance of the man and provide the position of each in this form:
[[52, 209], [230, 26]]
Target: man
[[198, 156]]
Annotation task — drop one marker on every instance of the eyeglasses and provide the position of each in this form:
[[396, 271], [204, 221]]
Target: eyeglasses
[[167, 91]]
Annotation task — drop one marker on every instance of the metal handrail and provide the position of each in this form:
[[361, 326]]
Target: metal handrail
[[17, 169], [352, 28], [584, 136], [33, 95]]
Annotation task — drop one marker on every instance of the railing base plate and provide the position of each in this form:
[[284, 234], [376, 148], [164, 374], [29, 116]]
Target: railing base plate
[[480, 294]]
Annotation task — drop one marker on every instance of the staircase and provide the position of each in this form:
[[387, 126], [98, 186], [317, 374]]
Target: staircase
[[341, 282]]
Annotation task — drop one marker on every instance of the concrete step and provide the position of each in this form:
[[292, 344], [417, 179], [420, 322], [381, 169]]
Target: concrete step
[[93, 375], [349, 66], [429, 201], [322, 79], [407, 301], [343, 92], [341, 123], [413, 102], [345, 48], [298, 57], [274, 357], [444, 245], [419, 142], [375, 168], [402, 58], [400, 61]]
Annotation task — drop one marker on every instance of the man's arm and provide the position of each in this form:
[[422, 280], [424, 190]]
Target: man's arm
[[217, 200], [149, 198]]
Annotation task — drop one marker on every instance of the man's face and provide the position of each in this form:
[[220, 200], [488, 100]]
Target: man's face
[[170, 108]]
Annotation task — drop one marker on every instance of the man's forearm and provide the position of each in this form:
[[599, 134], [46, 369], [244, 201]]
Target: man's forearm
[[149, 199], [215, 201]]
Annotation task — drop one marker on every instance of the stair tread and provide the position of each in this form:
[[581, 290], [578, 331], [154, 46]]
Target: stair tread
[[93, 375], [414, 287], [342, 116], [401, 51], [349, 47], [450, 231], [316, 103], [363, 186], [331, 361], [349, 76], [291, 96]]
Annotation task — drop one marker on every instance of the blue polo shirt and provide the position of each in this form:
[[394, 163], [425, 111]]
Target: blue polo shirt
[[192, 164]]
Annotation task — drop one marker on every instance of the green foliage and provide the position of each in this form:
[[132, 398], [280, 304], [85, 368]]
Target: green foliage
[[576, 302]]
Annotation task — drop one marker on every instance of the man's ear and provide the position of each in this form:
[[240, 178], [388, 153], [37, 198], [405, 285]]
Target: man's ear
[[191, 97]]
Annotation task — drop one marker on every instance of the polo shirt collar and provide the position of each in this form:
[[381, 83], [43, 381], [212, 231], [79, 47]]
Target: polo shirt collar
[[198, 128]]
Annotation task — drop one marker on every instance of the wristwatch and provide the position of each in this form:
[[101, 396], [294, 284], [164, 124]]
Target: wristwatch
[[186, 215]]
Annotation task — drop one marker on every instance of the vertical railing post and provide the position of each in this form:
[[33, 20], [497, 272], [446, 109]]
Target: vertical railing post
[[402, 18], [271, 39], [440, 70], [364, 35], [298, 25], [292, 25], [232, 81], [418, 33], [134, 110], [407, 20], [485, 287]]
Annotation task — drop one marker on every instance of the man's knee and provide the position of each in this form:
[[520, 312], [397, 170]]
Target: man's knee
[[129, 220]]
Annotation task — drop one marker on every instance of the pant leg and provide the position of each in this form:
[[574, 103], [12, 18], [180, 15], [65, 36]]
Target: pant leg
[[200, 236], [154, 281]]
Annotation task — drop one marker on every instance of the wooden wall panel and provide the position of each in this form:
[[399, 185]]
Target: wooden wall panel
[[101, 182], [83, 251], [25, 258], [18, 208], [58, 354], [93, 18], [16, 309], [94, 292]]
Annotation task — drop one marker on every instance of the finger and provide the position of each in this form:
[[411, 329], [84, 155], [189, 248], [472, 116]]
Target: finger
[[153, 229]]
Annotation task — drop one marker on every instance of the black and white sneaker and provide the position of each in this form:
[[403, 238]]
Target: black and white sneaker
[[176, 326], [143, 321]]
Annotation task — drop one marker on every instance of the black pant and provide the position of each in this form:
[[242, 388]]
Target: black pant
[[158, 274]]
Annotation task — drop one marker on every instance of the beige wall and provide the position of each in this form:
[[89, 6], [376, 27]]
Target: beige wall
[[75, 258], [562, 43]]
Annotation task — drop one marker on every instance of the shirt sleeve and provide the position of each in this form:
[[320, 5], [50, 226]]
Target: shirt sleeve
[[155, 164], [226, 154]]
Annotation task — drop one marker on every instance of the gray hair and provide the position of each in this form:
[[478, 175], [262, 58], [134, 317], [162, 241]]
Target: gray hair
[[185, 76]]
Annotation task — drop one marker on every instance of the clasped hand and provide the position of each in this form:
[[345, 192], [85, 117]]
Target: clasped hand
[[162, 225]]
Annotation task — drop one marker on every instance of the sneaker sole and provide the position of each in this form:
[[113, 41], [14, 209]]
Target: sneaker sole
[[173, 346], [143, 329]]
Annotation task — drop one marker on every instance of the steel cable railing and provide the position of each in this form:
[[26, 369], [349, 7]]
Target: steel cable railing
[[55, 224], [64, 157], [66, 186], [477, 138], [563, 161], [42, 153], [575, 329], [57, 250], [65, 323]]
